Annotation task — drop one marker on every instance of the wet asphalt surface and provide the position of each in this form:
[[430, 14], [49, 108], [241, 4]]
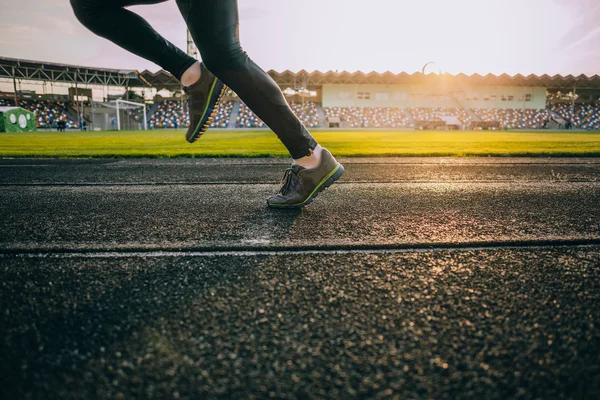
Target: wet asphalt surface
[[410, 278]]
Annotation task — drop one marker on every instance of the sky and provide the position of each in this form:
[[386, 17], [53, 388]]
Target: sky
[[468, 36]]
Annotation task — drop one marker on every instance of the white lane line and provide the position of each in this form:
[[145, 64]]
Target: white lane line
[[25, 165], [343, 182], [254, 253]]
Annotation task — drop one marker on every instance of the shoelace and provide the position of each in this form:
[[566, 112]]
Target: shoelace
[[289, 182]]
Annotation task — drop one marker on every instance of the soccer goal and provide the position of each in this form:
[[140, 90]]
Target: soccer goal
[[118, 115], [131, 115]]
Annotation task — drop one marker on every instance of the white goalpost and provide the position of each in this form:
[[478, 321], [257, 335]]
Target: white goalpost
[[129, 105]]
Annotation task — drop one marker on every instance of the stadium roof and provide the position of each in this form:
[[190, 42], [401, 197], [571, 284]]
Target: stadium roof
[[41, 71], [461, 80], [63, 73], [164, 80], [161, 80]]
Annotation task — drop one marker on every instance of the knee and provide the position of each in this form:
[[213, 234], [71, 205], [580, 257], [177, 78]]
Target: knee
[[224, 54]]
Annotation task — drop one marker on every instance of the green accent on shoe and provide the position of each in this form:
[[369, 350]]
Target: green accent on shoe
[[336, 169], [203, 99], [212, 89]]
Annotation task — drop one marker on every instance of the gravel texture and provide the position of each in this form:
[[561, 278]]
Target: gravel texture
[[446, 324], [476, 323], [206, 216], [198, 171]]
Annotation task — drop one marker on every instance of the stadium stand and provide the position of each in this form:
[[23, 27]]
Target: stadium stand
[[357, 99], [370, 117], [170, 114], [223, 115], [514, 118], [137, 114], [7, 102], [308, 113], [247, 119], [582, 116], [47, 113], [434, 114]]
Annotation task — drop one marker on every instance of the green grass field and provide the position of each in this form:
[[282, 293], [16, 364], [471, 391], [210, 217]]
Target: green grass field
[[217, 143]]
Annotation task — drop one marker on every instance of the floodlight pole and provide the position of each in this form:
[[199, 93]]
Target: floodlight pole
[[118, 117], [181, 103], [15, 86], [77, 101], [92, 112], [145, 118], [573, 101]]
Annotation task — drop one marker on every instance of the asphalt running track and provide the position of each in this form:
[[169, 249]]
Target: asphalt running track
[[411, 278]]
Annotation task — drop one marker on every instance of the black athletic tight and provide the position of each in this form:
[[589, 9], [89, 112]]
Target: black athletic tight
[[214, 25]]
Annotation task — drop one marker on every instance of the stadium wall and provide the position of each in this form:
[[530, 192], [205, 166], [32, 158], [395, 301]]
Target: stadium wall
[[402, 96], [503, 97]]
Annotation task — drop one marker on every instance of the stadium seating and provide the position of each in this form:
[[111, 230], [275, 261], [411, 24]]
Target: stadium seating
[[47, 113], [308, 113], [223, 115], [434, 114], [247, 119], [137, 114], [370, 117], [582, 116], [514, 118], [170, 114]]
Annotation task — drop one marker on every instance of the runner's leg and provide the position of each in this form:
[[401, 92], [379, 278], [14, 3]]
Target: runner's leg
[[214, 25], [110, 20]]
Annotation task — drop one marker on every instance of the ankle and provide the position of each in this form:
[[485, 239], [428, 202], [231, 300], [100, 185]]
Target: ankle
[[311, 161], [191, 75]]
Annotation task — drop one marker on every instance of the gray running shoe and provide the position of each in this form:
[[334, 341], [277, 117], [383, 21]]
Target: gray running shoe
[[203, 100], [301, 185]]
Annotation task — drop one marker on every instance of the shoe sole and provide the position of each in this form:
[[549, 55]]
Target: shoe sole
[[217, 92], [324, 184]]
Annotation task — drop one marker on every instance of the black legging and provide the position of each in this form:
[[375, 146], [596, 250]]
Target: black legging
[[214, 25]]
